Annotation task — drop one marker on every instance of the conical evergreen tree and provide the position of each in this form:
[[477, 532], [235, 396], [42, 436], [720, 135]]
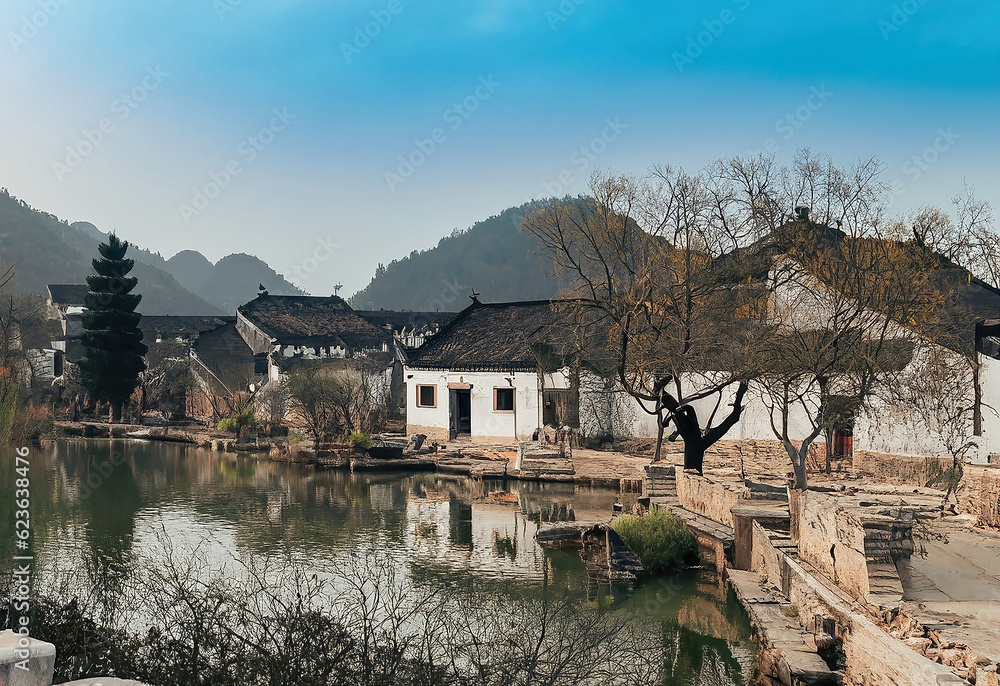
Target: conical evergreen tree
[[115, 351]]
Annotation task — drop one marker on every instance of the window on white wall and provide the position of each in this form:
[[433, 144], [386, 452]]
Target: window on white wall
[[426, 396], [503, 399]]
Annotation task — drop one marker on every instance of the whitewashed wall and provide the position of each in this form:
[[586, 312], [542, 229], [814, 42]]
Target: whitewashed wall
[[486, 422], [989, 382], [628, 419]]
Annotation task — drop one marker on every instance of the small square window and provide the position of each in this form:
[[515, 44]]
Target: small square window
[[503, 399], [426, 396]]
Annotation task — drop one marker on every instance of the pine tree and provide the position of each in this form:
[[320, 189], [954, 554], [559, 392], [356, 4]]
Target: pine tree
[[115, 351]]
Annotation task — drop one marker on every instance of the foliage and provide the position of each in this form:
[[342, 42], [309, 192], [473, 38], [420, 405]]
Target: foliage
[[359, 439], [9, 401], [180, 622], [245, 419], [847, 307], [333, 399], [660, 539], [653, 260], [164, 385], [115, 351]]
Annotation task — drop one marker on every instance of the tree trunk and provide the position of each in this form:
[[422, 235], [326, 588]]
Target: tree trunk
[[799, 467], [116, 412], [696, 441], [659, 436], [694, 454], [829, 452]]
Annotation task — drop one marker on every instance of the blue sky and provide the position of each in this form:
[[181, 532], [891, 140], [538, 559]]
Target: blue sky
[[493, 99]]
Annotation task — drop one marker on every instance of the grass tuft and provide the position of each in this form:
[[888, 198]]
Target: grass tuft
[[660, 539]]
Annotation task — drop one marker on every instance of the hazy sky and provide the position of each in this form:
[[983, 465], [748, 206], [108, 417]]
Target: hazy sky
[[379, 126]]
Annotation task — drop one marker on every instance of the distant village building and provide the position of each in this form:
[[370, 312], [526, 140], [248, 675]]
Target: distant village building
[[284, 329], [410, 329], [66, 305]]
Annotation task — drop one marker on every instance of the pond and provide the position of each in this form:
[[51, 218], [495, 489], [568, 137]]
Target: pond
[[100, 508]]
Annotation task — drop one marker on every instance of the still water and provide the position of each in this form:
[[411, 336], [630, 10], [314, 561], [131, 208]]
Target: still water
[[98, 506]]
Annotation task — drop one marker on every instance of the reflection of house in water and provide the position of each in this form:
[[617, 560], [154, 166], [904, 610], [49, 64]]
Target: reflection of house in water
[[487, 539], [489, 529]]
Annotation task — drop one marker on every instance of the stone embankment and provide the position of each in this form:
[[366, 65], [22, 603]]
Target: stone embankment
[[863, 579]]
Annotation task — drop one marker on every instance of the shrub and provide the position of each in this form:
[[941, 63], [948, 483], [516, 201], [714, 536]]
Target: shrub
[[359, 439], [660, 539], [242, 420]]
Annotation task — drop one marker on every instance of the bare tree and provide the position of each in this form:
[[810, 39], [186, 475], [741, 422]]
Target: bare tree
[[336, 398], [939, 387], [645, 257], [845, 312]]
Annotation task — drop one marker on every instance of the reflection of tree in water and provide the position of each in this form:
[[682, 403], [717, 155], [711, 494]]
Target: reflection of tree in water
[[94, 484], [706, 634], [504, 546]]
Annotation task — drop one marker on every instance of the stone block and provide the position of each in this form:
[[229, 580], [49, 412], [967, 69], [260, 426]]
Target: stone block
[[37, 660]]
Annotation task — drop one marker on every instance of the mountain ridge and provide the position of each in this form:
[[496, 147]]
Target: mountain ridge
[[44, 249], [493, 257]]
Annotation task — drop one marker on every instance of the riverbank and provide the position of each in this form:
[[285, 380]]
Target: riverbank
[[532, 462], [867, 577]]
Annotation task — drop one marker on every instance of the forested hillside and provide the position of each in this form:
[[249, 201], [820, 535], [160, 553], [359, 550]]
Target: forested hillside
[[494, 257], [46, 250]]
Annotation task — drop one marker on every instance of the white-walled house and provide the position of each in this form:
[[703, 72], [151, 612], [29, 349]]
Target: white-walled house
[[479, 378]]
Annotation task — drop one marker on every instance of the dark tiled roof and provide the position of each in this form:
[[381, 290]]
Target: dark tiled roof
[[501, 337], [186, 328], [407, 320], [68, 294], [304, 320]]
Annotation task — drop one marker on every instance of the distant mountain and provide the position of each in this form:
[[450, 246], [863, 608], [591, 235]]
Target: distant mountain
[[46, 250], [494, 257], [233, 281]]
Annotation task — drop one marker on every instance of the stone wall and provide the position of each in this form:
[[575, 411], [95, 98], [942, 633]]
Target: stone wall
[[979, 494], [831, 539], [435, 434], [874, 658], [899, 469], [710, 497]]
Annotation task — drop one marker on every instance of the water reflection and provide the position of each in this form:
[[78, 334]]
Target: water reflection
[[97, 506]]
